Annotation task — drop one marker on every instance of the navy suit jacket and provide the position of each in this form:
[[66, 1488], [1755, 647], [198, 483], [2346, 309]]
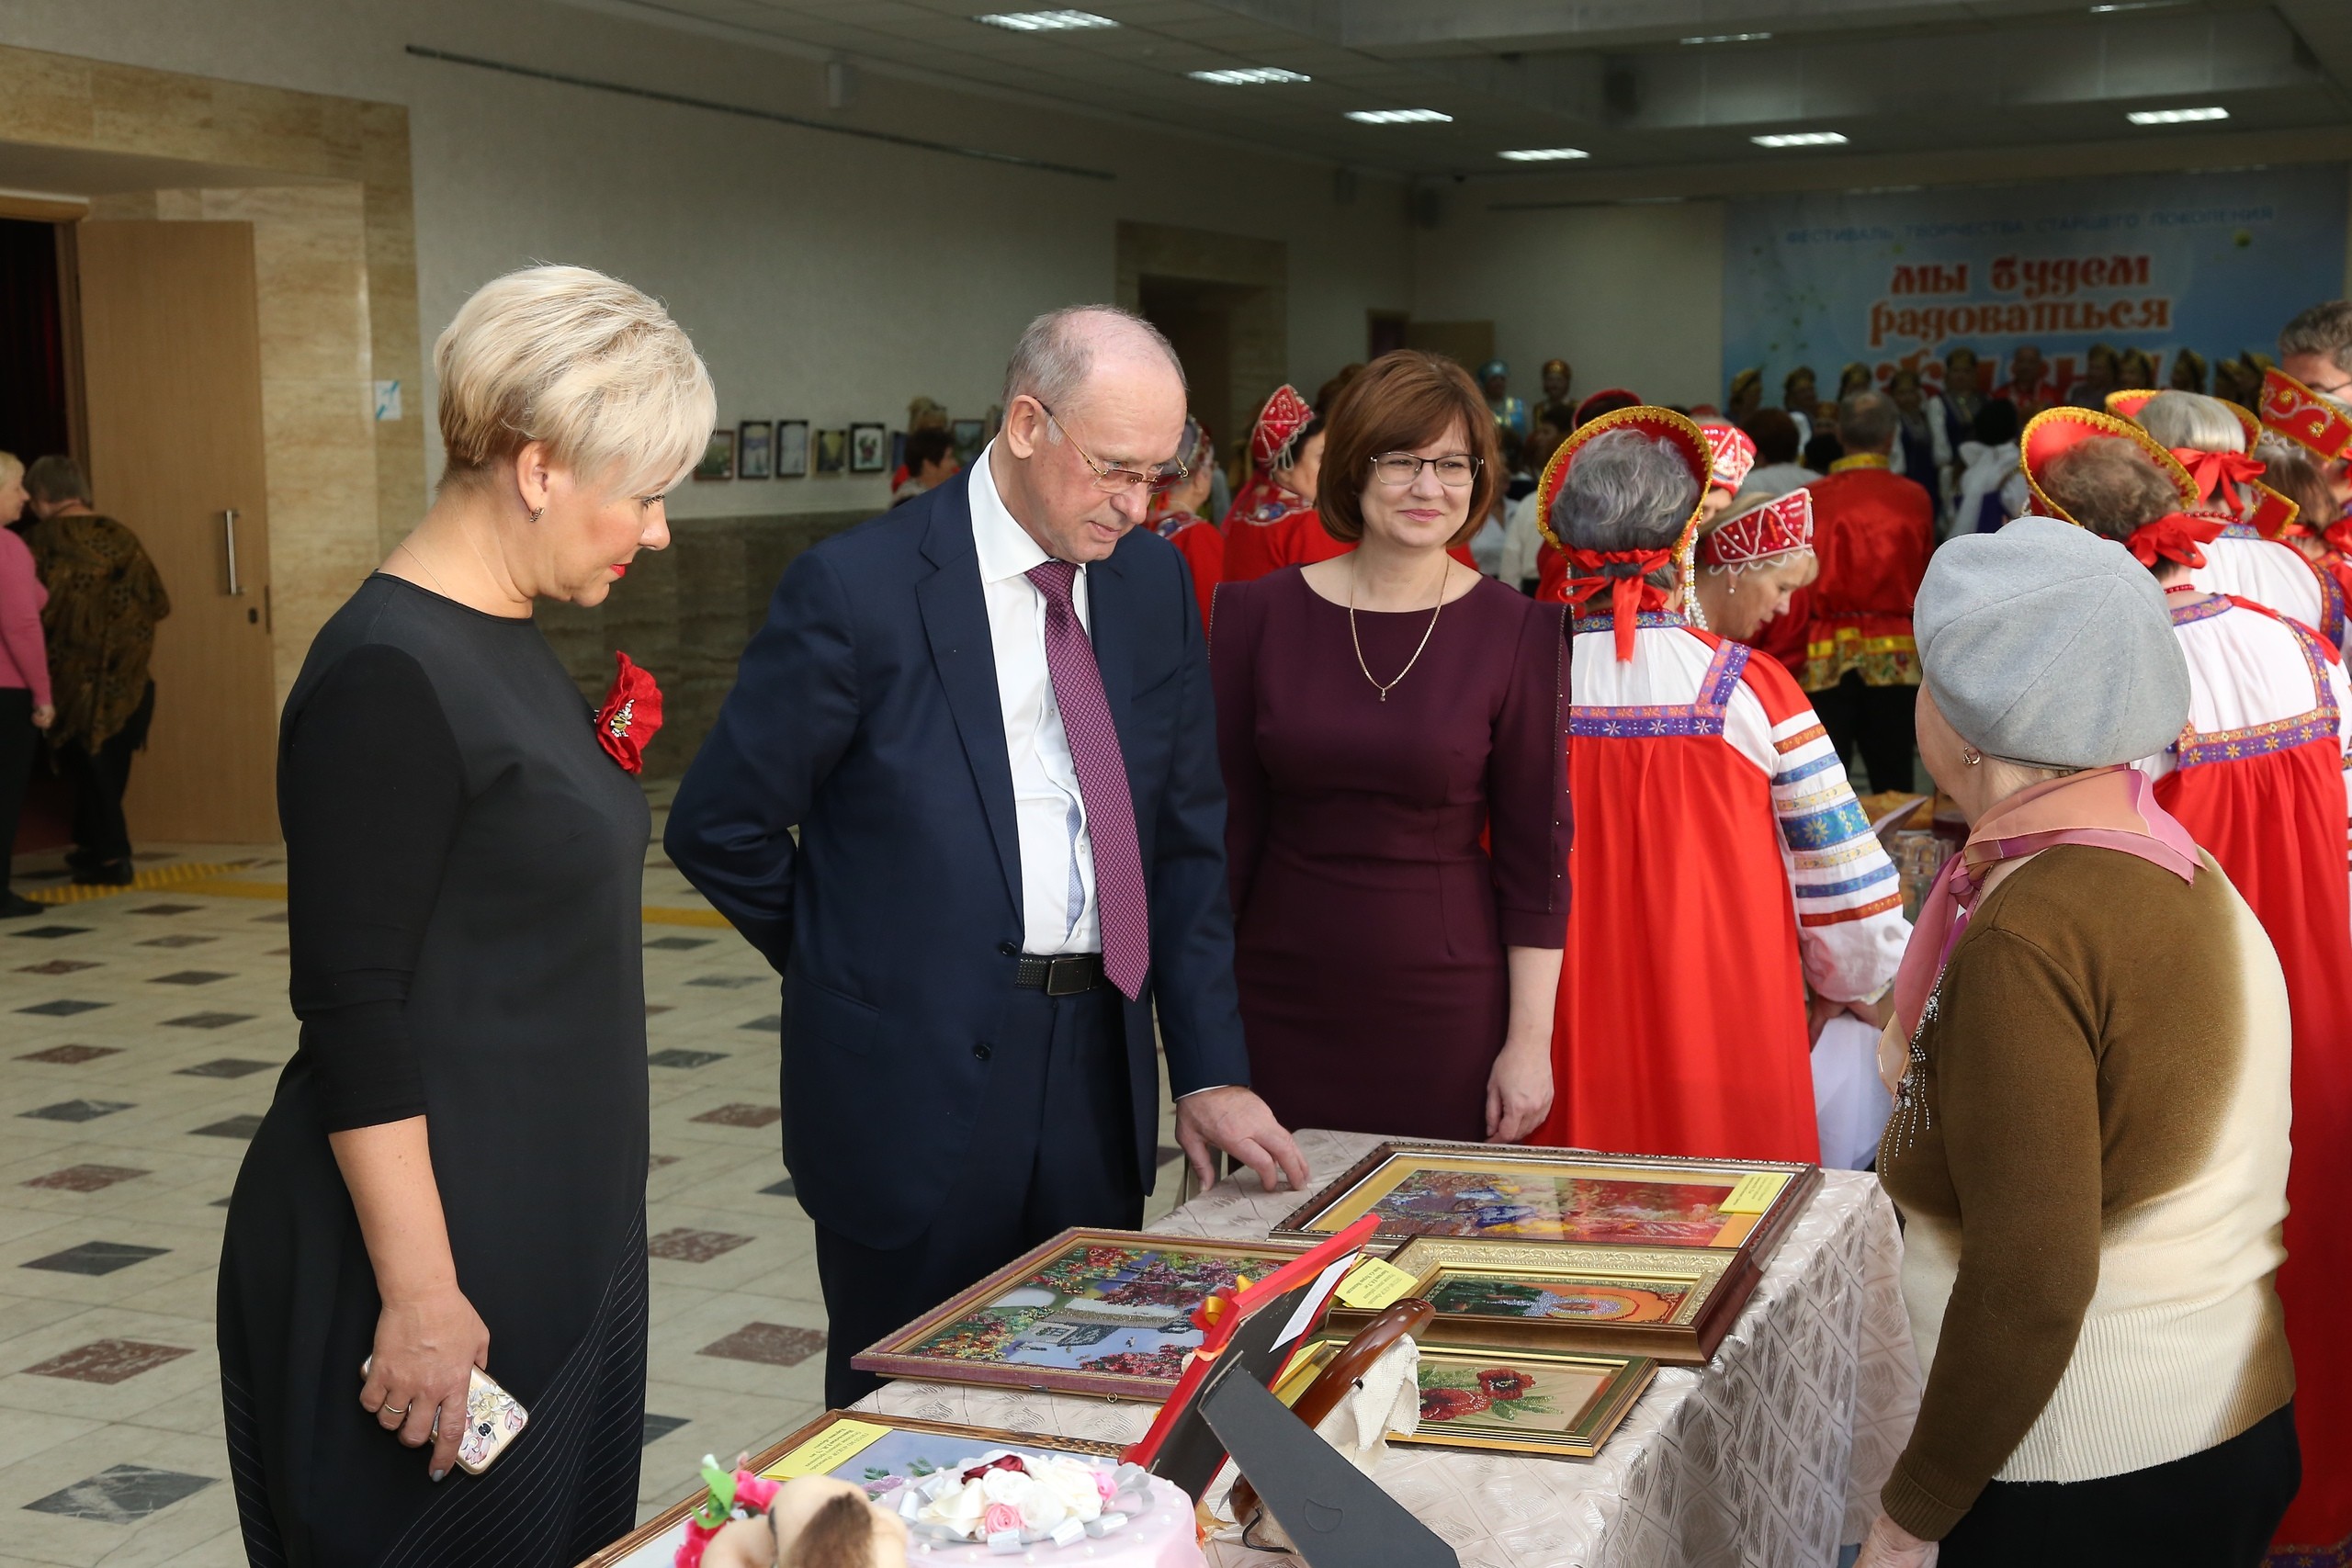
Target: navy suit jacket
[[865, 715]]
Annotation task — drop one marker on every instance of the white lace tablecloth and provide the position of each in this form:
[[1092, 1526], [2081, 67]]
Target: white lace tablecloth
[[1773, 1456]]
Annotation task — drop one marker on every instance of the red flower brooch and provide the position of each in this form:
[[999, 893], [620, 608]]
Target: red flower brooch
[[631, 715]]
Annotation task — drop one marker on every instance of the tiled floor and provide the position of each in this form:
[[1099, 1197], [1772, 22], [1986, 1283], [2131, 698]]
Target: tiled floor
[[139, 1036]]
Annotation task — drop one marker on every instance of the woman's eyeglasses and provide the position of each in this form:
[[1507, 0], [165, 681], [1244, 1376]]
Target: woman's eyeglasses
[[1123, 482], [1397, 469]]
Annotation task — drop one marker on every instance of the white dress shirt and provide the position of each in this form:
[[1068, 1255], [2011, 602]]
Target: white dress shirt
[[1058, 913]]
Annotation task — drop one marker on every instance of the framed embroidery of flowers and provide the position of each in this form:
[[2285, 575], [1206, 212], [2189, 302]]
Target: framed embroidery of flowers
[[869, 449], [1528, 1402], [1501, 1192], [1672, 1305], [1093, 1312]]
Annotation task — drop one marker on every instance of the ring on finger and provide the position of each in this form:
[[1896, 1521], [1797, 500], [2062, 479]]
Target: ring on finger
[[384, 1409]]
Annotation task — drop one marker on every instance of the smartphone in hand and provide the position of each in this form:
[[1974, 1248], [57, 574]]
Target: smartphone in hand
[[493, 1419]]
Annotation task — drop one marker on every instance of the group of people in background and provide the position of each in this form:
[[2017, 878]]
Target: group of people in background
[[79, 602]]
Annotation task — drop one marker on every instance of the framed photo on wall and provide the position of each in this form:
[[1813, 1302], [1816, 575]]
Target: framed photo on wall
[[970, 434], [833, 451], [869, 449], [718, 458], [791, 448], [755, 449]]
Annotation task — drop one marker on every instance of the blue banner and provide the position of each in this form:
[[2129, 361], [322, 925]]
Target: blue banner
[[2212, 263]]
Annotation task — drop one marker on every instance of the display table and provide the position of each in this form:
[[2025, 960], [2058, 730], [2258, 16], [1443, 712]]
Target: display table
[[1772, 1455]]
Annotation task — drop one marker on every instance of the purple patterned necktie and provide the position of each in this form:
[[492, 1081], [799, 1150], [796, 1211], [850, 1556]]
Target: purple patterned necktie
[[1123, 910]]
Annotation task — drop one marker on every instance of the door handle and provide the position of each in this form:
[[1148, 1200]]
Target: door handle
[[229, 549]]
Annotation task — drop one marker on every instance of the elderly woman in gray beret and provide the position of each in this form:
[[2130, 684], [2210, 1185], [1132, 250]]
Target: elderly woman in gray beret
[[2089, 1142]]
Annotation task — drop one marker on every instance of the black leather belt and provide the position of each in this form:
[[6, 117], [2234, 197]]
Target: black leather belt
[[1064, 976]]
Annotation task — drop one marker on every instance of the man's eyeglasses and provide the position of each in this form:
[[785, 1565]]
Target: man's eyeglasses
[[1123, 482], [1397, 469]]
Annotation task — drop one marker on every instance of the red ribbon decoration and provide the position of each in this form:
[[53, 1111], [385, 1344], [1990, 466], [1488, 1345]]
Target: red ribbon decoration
[[1629, 595], [630, 716], [2173, 536], [2211, 469], [2338, 537]]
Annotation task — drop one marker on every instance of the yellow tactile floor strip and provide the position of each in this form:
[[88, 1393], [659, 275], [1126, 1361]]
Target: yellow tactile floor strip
[[175, 877]]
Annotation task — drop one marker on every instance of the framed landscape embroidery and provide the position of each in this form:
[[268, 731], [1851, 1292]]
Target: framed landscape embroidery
[[1673, 1305], [1093, 1311], [1529, 1402], [1507, 1193]]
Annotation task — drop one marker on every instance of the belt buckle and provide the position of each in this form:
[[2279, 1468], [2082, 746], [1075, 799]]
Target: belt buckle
[[1068, 977]]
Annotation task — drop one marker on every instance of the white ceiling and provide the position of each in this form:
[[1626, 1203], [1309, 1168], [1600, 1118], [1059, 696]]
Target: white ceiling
[[1611, 76]]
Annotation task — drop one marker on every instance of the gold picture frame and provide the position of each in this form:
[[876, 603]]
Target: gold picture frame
[[1559, 1403], [1508, 1192], [1672, 1305]]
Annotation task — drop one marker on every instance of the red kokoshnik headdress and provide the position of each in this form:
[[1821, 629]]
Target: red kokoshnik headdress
[[1625, 573], [1285, 414], [1734, 452], [1770, 528], [2264, 510], [2177, 536]]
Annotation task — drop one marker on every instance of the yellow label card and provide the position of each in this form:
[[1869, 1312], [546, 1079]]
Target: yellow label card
[[1373, 1284], [1754, 1192], [835, 1446]]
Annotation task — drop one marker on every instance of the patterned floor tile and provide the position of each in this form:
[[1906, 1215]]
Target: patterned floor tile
[[660, 1427], [232, 1127], [123, 1495], [743, 1116], [51, 933], [727, 982], [71, 1056], [167, 910], [781, 1189], [63, 1008], [192, 977], [767, 1025], [653, 1010], [108, 1362], [178, 939], [685, 1245], [226, 1068], [677, 1058], [774, 1344], [655, 1162], [83, 1109], [86, 1178], [676, 943], [207, 1020], [95, 1257], [58, 966]]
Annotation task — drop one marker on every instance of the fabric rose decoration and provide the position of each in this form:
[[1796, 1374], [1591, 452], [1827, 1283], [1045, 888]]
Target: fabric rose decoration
[[631, 715]]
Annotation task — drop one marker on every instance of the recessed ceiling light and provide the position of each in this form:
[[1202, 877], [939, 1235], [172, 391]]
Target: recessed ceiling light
[[1543, 154], [1249, 76], [1801, 139], [1044, 21], [2176, 117], [1729, 38], [2136, 5], [1399, 117]]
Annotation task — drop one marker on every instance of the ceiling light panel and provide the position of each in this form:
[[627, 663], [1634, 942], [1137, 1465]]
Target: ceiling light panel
[[1046, 21], [1729, 38], [1399, 117], [1543, 154], [2176, 116], [1801, 139], [1249, 76]]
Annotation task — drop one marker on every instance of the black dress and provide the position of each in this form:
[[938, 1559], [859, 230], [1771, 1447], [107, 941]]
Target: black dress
[[464, 877]]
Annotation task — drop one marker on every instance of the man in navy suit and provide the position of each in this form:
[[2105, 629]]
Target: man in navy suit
[[987, 713]]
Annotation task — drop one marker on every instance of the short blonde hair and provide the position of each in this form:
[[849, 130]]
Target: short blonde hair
[[584, 362]]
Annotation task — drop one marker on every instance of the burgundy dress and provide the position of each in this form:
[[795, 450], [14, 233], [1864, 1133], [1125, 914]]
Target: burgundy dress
[[1370, 921]]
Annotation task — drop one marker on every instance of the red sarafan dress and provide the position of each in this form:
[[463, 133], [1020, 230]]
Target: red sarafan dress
[[1721, 864], [2258, 778], [1270, 528], [1197, 540]]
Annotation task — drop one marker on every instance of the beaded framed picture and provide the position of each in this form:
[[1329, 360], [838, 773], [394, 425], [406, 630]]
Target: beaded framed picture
[[1527, 1402], [1093, 1311], [1672, 1305], [1503, 1193]]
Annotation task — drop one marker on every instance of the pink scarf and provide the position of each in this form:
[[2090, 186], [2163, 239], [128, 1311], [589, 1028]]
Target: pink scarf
[[2114, 808]]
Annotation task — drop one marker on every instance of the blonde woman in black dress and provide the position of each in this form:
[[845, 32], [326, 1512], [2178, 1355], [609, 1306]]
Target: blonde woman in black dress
[[452, 1174]]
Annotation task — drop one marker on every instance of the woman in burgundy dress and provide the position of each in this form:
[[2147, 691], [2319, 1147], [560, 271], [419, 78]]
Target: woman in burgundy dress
[[1392, 734]]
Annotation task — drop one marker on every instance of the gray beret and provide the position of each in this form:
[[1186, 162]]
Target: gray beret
[[2044, 643]]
